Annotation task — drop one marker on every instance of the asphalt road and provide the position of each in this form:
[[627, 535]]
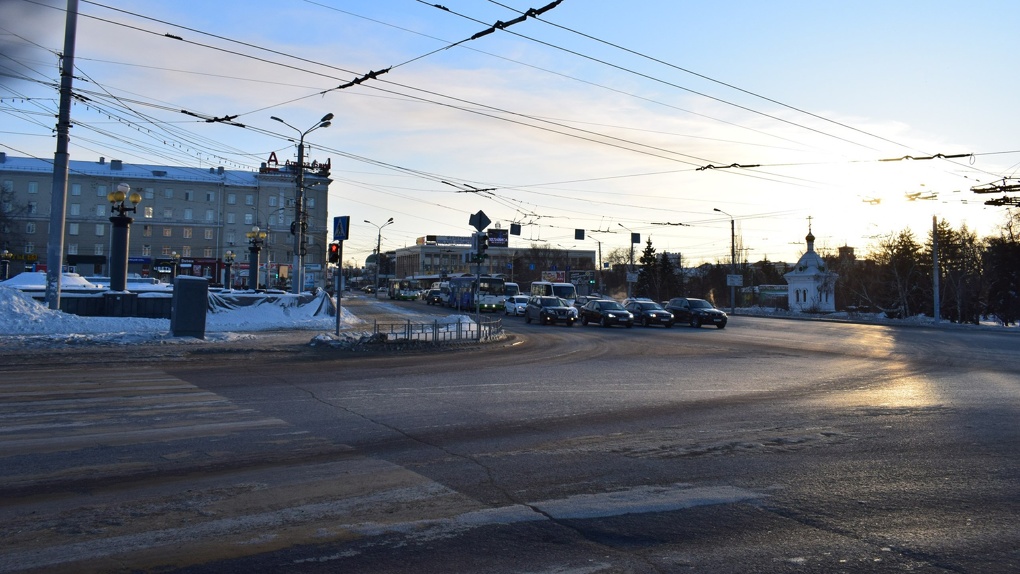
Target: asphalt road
[[769, 446]]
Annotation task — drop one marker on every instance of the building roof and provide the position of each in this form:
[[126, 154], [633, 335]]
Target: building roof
[[114, 169]]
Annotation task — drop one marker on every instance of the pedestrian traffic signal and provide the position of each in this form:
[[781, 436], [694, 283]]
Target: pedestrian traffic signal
[[334, 253]]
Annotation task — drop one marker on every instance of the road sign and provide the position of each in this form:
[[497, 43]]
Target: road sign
[[341, 224], [479, 220], [733, 280]]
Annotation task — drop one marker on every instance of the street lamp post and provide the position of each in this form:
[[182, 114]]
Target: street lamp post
[[5, 265], [228, 261], [733, 258], [378, 252], [299, 205], [176, 258], [255, 238], [121, 232]]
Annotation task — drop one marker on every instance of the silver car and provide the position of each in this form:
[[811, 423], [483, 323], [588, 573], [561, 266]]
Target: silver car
[[515, 305]]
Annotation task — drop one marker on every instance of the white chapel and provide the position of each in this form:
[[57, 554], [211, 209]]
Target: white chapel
[[811, 284]]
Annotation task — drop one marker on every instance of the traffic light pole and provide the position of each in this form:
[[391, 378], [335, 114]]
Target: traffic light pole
[[337, 287]]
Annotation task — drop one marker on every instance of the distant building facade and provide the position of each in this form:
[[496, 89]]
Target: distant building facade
[[198, 214]]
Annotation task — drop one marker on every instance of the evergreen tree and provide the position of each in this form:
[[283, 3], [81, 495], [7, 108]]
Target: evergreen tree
[[669, 279], [648, 272]]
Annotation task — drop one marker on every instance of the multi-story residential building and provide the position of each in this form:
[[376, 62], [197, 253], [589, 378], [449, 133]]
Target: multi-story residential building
[[187, 220]]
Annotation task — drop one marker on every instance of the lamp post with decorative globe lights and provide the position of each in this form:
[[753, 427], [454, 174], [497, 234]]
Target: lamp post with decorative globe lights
[[228, 262], [255, 238], [121, 232]]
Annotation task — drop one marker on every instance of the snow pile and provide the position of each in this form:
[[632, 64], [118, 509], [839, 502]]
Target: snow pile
[[26, 317]]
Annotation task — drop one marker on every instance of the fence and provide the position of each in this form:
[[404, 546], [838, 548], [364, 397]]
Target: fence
[[437, 331]]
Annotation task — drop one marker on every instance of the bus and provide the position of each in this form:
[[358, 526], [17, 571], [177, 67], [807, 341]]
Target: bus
[[512, 289], [407, 289], [565, 291], [490, 293]]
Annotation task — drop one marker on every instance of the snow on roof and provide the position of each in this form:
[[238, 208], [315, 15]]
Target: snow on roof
[[133, 171]]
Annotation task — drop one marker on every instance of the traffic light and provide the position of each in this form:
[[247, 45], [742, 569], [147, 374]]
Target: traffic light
[[334, 253], [483, 245]]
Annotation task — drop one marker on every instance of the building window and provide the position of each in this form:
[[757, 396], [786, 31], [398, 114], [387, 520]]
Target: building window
[[99, 249], [33, 207], [101, 191], [210, 196], [207, 252], [33, 187], [100, 229], [74, 209], [187, 233], [30, 227], [208, 233], [248, 219], [186, 251], [168, 232], [75, 189], [146, 250], [72, 229], [249, 199], [146, 231], [29, 247], [7, 207], [209, 215], [187, 213], [72, 248], [148, 212], [168, 213], [187, 195], [8, 185], [231, 199], [230, 237], [100, 210], [165, 251], [150, 193], [230, 218], [310, 202], [272, 201], [168, 193]]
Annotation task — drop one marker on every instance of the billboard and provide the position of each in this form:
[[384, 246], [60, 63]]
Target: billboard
[[498, 238]]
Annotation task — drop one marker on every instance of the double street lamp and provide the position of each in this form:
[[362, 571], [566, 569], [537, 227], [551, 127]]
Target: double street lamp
[[378, 252], [733, 258], [299, 204]]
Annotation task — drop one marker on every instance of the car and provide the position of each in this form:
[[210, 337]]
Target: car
[[547, 309], [515, 305], [696, 312], [648, 313], [606, 312], [434, 297]]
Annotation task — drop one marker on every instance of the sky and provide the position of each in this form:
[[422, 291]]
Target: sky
[[604, 116]]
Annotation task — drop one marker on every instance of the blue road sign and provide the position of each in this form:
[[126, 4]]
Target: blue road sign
[[341, 224]]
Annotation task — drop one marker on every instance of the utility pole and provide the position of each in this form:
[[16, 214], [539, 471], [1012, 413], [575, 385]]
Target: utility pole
[[58, 200]]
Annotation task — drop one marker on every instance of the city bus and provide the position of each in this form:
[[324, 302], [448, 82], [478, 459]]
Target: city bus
[[407, 289], [490, 293]]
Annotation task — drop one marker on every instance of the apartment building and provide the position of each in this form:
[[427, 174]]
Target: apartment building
[[186, 222]]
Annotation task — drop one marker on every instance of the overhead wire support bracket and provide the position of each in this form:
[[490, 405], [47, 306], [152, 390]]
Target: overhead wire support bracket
[[732, 165], [997, 187]]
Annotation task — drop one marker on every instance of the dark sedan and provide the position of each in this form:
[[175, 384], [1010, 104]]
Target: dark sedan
[[606, 312], [650, 313], [549, 310], [696, 312], [434, 297]]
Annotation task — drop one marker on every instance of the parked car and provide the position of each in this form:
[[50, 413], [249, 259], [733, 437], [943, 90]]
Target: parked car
[[606, 312], [696, 312], [434, 297], [648, 313], [549, 309], [515, 305]]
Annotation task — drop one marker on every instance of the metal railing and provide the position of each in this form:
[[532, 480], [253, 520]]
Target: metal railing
[[440, 331]]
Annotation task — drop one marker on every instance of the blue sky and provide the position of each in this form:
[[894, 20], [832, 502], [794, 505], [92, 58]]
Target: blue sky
[[814, 93]]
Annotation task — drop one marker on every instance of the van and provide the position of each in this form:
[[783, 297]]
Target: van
[[565, 291]]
